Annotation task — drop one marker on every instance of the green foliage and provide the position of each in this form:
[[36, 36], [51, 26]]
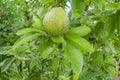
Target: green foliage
[[98, 66], [14, 15], [76, 59], [12, 18], [89, 50], [80, 31], [80, 42]]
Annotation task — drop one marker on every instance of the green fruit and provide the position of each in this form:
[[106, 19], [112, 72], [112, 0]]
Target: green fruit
[[56, 21]]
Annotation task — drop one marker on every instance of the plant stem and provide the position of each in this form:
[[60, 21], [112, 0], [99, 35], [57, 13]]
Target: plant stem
[[63, 4], [87, 6], [56, 3]]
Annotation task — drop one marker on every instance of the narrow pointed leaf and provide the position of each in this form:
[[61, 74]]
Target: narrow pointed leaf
[[27, 30], [81, 31], [58, 39], [47, 52], [47, 1], [76, 77], [7, 63], [118, 27], [99, 29], [80, 43], [75, 57], [26, 39]]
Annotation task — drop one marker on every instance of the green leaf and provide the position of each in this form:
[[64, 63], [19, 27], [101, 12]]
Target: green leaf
[[61, 77], [81, 31], [97, 57], [55, 64], [75, 57], [22, 48], [77, 7], [80, 43], [88, 75], [118, 21], [8, 51], [99, 29], [76, 77], [58, 39], [41, 12], [25, 39], [6, 64], [37, 21], [110, 25], [33, 63], [47, 1], [27, 30], [45, 43], [47, 52], [118, 28], [98, 3], [100, 72], [113, 6]]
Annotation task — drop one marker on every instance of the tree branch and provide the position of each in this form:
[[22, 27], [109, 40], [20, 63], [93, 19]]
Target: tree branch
[[56, 3], [87, 6]]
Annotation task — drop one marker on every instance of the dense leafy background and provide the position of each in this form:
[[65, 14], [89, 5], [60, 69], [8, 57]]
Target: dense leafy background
[[90, 49]]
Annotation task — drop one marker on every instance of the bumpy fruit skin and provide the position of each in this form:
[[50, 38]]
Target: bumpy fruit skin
[[56, 21]]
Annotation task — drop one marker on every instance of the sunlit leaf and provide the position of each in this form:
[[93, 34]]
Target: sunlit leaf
[[26, 39], [80, 43], [81, 31], [75, 57], [6, 63], [58, 39], [76, 77], [37, 21], [47, 1], [27, 30]]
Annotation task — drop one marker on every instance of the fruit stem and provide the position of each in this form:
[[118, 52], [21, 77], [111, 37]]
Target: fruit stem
[[56, 3]]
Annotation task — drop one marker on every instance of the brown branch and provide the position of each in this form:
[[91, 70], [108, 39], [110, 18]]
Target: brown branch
[[87, 6]]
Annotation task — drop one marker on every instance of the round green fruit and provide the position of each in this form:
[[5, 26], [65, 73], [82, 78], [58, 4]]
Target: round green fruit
[[56, 21]]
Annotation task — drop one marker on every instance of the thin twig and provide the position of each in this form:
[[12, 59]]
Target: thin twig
[[87, 6]]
